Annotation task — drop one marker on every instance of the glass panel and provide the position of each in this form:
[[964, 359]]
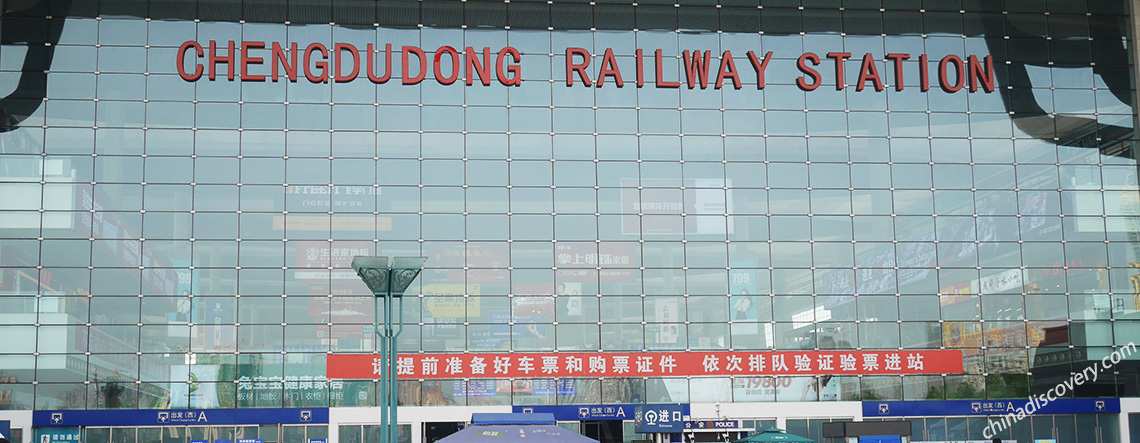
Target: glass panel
[[98, 435], [123, 435], [350, 433]]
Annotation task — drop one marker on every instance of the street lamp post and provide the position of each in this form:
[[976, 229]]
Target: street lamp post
[[388, 281]]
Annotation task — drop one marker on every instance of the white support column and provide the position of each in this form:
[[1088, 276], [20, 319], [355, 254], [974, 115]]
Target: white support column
[[1127, 406], [333, 431], [21, 420]]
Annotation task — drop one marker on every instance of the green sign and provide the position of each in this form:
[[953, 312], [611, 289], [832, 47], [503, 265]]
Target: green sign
[[57, 435]]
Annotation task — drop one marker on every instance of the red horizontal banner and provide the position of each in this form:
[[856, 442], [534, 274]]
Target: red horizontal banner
[[649, 364]]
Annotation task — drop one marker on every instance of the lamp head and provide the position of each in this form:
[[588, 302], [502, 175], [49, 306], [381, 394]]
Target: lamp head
[[374, 271], [404, 271]]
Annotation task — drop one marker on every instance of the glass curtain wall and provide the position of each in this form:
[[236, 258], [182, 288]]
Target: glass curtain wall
[[173, 243]]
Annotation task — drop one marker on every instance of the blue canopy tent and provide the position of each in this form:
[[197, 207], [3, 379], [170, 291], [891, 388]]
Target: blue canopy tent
[[506, 428]]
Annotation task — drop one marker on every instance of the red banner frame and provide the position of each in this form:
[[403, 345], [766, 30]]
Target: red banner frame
[[650, 364]]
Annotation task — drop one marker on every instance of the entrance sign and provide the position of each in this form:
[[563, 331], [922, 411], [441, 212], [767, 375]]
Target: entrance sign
[[651, 364], [669, 419]]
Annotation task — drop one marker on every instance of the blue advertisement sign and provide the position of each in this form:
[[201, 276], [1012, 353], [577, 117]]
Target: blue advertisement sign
[[496, 336], [666, 419], [318, 440], [174, 417], [552, 387], [199, 441], [5, 429], [991, 407], [592, 412], [250, 440], [475, 388], [223, 441]]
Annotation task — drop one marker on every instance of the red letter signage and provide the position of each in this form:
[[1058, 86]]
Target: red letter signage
[[341, 62]]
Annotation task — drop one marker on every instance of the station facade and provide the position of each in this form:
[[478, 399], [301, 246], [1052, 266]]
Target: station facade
[[780, 213]]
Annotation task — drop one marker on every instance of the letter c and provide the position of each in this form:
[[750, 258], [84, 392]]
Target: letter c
[[181, 60]]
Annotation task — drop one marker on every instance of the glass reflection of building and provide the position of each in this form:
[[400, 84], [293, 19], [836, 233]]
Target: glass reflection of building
[[155, 231]]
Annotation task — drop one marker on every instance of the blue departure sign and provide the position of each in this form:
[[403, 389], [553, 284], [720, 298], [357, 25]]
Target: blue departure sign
[[593, 412]]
